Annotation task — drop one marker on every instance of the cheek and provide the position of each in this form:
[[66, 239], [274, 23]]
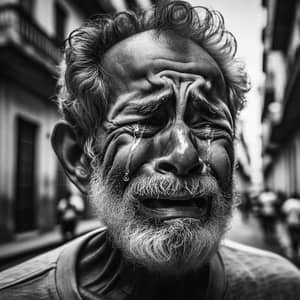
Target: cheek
[[114, 146], [120, 157], [222, 163]]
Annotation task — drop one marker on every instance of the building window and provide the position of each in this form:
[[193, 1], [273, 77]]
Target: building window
[[132, 4], [27, 5], [60, 21]]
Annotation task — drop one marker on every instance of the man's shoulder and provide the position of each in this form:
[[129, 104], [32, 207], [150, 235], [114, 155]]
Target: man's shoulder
[[257, 273], [257, 262], [31, 278], [36, 277]]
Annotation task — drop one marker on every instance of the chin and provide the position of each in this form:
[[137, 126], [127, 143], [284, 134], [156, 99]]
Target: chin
[[172, 246], [177, 247]]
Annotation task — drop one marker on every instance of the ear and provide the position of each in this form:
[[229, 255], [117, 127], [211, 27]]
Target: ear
[[71, 155]]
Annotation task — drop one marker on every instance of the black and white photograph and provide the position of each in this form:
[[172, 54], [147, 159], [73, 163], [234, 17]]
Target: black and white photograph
[[149, 149]]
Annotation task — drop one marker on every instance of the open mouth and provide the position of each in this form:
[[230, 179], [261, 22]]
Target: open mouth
[[164, 209]]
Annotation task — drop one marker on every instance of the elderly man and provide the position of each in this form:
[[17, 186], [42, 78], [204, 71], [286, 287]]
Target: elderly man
[[149, 102]]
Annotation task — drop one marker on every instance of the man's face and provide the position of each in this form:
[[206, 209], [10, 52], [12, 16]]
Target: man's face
[[163, 184]]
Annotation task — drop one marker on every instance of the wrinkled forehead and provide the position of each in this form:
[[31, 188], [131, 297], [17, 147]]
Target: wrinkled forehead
[[131, 61]]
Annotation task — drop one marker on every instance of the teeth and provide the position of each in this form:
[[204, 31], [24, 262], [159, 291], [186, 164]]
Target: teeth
[[165, 209], [201, 203]]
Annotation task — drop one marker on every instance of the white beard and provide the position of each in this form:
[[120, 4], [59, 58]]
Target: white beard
[[172, 247]]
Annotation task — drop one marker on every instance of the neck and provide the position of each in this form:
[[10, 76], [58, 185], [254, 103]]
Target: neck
[[142, 284], [114, 276]]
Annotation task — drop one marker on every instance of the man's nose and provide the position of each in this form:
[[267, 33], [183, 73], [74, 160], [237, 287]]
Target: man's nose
[[182, 157]]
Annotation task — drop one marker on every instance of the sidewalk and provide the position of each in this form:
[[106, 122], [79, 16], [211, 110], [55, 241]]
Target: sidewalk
[[35, 243]]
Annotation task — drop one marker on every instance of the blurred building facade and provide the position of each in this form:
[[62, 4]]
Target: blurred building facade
[[31, 38], [281, 109], [243, 180]]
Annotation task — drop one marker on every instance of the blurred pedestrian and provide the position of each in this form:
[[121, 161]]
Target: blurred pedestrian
[[267, 214], [291, 210], [69, 209], [245, 206]]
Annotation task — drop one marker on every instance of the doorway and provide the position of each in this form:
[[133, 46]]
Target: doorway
[[25, 210]]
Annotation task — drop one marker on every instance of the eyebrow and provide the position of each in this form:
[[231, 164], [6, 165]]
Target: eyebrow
[[147, 105]]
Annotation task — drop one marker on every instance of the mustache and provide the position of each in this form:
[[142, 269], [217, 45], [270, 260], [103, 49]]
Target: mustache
[[157, 186]]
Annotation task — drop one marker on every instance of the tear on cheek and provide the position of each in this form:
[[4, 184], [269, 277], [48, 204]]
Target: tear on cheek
[[137, 137], [125, 156], [110, 155], [221, 164]]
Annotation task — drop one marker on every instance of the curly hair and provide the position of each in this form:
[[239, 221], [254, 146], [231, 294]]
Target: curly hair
[[83, 89]]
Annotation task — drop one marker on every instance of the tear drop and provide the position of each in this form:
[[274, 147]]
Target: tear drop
[[137, 137], [126, 177], [209, 137]]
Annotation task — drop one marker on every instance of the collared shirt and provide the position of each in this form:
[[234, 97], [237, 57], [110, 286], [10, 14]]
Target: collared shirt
[[235, 272]]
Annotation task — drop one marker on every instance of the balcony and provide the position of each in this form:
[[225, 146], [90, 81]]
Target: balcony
[[17, 27], [28, 56], [284, 17]]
